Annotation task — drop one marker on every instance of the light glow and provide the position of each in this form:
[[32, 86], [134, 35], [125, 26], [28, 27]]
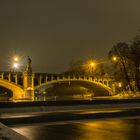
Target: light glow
[[120, 84], [16, 58], [92, 64], [114, 58], [15, 65]]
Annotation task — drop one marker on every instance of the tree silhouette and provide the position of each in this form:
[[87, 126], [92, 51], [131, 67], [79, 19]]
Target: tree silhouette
[[121, 52], [135, 61]]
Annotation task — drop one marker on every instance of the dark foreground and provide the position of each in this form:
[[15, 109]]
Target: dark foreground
[[117, 129], [81, 125], [88, 120]]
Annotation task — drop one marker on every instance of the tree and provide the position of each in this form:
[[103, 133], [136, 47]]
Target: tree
[[121, 52], [135, 61]]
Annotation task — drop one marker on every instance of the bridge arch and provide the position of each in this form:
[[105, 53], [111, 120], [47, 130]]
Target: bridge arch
[[18, 92], [99, 84]]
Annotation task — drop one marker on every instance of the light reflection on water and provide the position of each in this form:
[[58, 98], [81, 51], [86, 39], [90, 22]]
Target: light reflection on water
[[52, 98], [63, 98], [125, 129]]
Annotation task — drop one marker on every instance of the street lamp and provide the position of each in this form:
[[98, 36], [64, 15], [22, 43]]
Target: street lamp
[[120, 84], [114, 58], [92, 65], [16, 59], [15, 66], [15, 63]]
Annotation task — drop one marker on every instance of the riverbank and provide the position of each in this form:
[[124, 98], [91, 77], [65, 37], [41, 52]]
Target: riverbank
[[19, 107], [66, 112], [8, 134], [127, 95]]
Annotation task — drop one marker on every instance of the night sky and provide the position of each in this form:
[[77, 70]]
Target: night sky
[[56, 32]]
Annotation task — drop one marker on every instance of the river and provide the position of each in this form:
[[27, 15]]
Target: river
[[112, 129]]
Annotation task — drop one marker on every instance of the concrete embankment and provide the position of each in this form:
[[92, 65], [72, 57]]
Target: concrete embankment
[[50, 109], [49, 106], [68, 116], [8, 134]]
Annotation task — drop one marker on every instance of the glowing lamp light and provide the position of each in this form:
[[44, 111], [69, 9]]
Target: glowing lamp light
[[120, 84], [16, 59], [114, 58], [92, 64], [15, 65]]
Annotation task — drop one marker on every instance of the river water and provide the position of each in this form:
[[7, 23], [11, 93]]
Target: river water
[[113, 129]]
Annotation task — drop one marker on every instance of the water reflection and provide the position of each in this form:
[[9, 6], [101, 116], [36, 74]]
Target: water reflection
[[61, 98], [128, 129]]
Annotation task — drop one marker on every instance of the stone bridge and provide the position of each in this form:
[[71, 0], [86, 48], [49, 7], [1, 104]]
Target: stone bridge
[[23, 84]]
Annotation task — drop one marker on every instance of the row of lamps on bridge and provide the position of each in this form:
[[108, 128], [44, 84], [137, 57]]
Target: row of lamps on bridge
[[92, 63]]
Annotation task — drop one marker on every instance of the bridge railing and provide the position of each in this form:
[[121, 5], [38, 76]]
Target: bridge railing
[[45, 78], [40, 78], [13, 77]]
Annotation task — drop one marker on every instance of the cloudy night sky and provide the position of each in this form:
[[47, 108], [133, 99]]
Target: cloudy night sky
[[56, 32]]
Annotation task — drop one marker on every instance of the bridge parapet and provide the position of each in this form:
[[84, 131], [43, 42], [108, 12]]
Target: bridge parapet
[[14, 77], [29, 80], [41, 78]]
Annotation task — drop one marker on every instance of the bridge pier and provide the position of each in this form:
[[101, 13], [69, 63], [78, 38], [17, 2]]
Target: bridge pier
[[28, 81], [29, 94]]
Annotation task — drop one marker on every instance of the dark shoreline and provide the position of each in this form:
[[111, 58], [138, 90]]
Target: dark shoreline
[[66, 103]]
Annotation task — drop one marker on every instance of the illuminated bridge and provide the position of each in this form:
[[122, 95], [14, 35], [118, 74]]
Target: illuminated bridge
[[24, 84]]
